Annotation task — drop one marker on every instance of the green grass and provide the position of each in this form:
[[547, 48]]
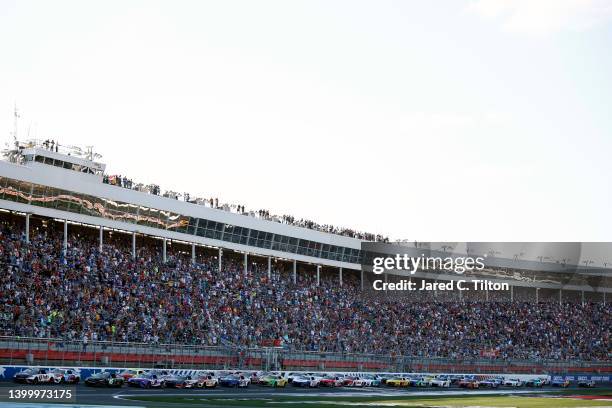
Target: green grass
[[459, 401]]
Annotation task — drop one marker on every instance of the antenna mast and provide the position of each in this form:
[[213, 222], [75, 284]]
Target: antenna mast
[[15, 124]]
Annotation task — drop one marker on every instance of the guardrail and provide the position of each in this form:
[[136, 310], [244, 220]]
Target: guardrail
[[49, 351]]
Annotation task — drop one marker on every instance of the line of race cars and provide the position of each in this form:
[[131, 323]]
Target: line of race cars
[[157, 378], [474, 382]]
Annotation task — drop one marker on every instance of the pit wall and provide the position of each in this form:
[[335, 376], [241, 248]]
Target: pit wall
[[8, 371]]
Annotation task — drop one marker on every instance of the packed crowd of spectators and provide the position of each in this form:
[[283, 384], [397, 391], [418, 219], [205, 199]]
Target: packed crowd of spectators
[[122, 181], [89, 294]]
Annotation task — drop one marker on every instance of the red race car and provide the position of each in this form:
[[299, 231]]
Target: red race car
[[331, 381]]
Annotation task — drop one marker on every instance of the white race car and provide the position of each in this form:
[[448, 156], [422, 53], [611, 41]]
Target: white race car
[[291, 376], [306, 381], [440, 382], [65, 375], [359, 382], [513, 382], [371, 380], [42, 376]]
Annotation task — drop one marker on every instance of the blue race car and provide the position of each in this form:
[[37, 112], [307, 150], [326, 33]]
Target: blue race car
[[560, 382], [234, 380], [148, 380]]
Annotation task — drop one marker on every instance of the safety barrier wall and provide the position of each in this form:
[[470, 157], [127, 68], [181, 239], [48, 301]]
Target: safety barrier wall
[[57, 352]]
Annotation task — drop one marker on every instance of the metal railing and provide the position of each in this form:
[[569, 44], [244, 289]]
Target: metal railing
[[50, 351]]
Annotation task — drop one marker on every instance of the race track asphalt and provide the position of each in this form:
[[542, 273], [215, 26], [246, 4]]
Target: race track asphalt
[[114, 396]]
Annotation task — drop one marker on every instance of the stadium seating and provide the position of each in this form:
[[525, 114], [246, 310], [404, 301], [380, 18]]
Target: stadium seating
[[88, 295]]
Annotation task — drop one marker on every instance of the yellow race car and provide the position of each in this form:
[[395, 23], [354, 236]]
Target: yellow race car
[[398, 382]]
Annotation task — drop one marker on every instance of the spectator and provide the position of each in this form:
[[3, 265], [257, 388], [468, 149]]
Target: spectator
[[106, 295]]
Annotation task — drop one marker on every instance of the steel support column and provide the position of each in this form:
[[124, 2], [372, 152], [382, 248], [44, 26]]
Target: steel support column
[[65, 236], [27, 229], [134, 245], [101, 237], [269, 267]]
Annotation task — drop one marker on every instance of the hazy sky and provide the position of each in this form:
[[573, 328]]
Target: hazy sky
[[443, 120]]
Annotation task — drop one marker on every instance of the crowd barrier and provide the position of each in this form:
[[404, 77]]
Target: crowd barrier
[[16, 351]]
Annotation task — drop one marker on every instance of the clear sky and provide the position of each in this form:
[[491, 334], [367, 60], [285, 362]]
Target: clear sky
[[443, 120]]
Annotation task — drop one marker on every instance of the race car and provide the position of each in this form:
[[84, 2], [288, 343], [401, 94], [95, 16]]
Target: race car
[[127, 374], [347, 381], [489, 383], [534, 382], [512, 382], [104, 379], [455, 378], [305, 381], [586, 383], [22, 376], [331, 381], [560, 382], [175, 381], [204, 381], [273, 380], [545, 380], [384, 377], [68, 376], [149, 380], [36, 376], [358, 382], [291, 376], [371, 380], [429, 379], [255, 376], [498, 380], [441, 381], [419, 382], [398, 382], [469, 383], [234, 380]]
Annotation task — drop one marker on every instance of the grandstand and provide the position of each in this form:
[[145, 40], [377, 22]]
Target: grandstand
[[109, 274]]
